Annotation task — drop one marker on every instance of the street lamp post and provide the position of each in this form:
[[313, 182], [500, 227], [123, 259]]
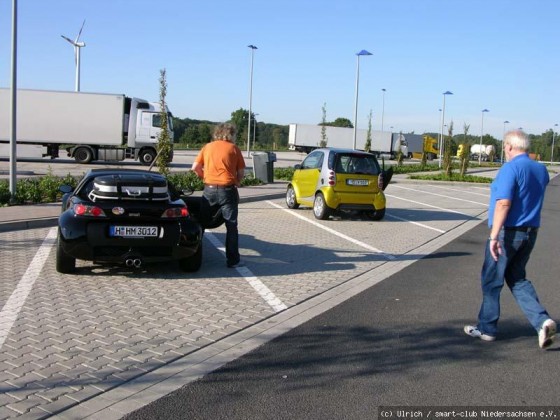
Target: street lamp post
[[13, 106], [552, 150], [383, 109], [481, 134], [503, 138], [363, 52], [441, 145], [253, 48]]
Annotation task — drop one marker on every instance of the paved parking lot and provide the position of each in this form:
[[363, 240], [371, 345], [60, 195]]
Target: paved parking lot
[[85, 338]]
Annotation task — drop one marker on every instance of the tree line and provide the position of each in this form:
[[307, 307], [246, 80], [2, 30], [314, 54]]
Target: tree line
[[193, 133], [541, 144]]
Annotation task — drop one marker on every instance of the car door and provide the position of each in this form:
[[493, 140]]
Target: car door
[[307, 177]]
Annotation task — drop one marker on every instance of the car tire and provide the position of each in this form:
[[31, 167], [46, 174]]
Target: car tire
[[376, 214], [291, 200], [65, 264], [320, 208], [193, 263]]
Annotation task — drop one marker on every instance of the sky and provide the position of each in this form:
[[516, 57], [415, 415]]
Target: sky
[[500, 55]]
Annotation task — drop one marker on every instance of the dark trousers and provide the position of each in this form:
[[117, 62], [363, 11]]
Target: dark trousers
[[227, 201]]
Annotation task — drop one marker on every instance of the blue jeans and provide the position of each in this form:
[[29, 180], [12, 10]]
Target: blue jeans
[[516, 249], [226, 200]]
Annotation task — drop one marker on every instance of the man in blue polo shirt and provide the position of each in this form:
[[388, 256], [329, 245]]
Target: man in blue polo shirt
[[514, 216]]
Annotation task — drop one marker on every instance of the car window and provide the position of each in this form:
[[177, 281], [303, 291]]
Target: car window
[[313, 160], [356, 164]]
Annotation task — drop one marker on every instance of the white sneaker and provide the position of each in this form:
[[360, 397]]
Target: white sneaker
[[476, 333], [547, 333]]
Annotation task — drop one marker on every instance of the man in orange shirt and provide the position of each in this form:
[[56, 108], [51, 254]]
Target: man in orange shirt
[[221, 165]]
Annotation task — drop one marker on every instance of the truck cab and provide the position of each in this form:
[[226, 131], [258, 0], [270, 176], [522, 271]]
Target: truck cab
[[144, 127]]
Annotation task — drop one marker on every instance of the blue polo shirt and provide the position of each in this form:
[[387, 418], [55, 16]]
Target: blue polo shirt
[[523, 181]]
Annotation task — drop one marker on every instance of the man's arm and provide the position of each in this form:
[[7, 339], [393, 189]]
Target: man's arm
[[240, 175], [500, 214], [197, 168]]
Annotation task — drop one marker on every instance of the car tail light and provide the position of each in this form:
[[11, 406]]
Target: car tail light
[[175, 213], [332, 178], [380, 181], [85, 210]]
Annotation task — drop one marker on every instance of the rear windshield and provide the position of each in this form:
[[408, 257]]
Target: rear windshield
[[349, 163]]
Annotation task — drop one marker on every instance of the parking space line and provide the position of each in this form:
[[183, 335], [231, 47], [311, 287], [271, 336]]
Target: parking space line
[[13, 306], [441, 195], [414, 223], [334, 232], [255, 283], [463, 191], [429, 205]]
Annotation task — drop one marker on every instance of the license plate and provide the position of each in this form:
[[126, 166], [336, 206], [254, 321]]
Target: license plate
[[134, 231], [357, 182]]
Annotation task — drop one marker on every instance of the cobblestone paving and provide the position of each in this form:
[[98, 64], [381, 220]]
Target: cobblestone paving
[[80, 335]]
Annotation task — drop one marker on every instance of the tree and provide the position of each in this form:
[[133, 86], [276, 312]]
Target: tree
[[241, 119], [204, 133], [447, 152], [342, 122], [324, 139], [164, 146], [465, 152], [367, 146]]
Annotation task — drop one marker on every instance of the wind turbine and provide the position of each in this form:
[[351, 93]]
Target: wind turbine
[[77, 45]]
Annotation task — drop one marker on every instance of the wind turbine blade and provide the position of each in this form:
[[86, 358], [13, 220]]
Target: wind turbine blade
[[69, 40], [79, 33]]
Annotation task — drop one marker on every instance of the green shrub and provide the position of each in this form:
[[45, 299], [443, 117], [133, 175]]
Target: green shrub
[[4, 192], [49, 185], [285, 174], [186, 181]]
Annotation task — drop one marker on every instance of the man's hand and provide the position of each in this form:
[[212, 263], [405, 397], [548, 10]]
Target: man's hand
[[495, 248]]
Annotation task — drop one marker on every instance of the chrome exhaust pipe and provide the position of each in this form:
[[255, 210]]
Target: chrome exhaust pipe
[[129, 262], [137, 262]]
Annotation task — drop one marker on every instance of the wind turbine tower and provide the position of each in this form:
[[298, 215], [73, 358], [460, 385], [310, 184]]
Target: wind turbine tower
[[77, 46]]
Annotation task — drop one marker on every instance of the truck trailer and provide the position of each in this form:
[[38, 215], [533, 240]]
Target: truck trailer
[[307, 137], [89, 126]]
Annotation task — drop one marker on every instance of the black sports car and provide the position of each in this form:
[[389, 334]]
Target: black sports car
[[127, 216]]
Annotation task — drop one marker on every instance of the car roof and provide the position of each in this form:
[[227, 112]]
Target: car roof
[[342, 150], [120, 171]]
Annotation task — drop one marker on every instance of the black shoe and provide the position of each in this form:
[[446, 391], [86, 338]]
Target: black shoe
[[235, 265]]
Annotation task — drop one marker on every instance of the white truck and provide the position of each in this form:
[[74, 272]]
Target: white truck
[[307, 137], [485, 151], [89, 126]]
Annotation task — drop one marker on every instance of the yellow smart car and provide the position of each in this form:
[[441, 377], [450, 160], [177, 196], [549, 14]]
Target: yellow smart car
[[332, 180]]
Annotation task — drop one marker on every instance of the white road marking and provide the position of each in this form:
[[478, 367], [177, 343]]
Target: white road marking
[[334, 232], [485, 194], [429, 205], [441, 195], [13, 306], [414, 223], [255, 283]]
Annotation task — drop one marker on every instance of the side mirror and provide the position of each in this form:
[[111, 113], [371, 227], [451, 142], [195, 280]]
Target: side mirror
[[298, 166]]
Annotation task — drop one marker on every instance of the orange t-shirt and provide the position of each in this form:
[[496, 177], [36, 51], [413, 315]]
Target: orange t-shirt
[[220, 161]]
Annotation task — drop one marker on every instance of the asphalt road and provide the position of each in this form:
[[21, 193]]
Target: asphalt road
[[182, 161], [398, 343]]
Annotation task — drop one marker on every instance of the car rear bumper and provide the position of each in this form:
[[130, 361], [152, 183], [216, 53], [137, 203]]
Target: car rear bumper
[[354, 201], [87, 240]]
